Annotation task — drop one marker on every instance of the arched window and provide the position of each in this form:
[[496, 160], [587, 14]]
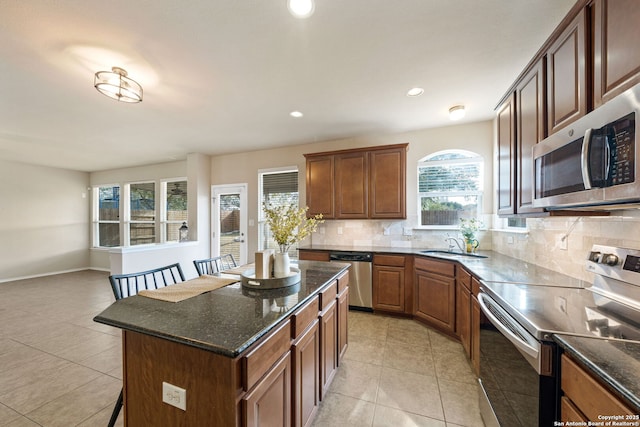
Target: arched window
[[449, 187]]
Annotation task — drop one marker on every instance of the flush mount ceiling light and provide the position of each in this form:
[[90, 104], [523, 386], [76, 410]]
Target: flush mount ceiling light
[[296, 114], [301, 8], [457, 112], [416, 91], [116, 85]]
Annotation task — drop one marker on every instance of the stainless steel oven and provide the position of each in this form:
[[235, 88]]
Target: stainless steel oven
[[517, 375], [518, 358]]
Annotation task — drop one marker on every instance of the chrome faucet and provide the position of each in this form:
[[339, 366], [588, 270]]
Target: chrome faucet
[[458, 242]]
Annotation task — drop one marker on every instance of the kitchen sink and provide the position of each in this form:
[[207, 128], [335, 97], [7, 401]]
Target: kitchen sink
[[453, 253]]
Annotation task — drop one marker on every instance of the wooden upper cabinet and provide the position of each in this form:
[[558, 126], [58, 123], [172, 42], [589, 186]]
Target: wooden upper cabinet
[[506, 156], [616, 52], [352, 185], [387, 197], [358, 184], [320, 186], [567, 95], [530, 129]]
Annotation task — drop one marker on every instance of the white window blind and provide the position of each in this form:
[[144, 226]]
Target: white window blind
[[449, 187]]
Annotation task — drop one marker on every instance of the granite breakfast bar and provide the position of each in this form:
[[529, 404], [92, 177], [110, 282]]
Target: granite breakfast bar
[[235, 351]]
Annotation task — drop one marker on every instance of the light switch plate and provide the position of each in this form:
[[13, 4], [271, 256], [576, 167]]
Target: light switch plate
[[174, 396]]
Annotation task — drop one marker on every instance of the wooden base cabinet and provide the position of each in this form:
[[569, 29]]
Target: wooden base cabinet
[[343, 323], [306, 367], [269, 402], [585, 399], [389, 284], [435, 293], [463, 309]]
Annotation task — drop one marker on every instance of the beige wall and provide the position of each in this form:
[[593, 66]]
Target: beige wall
[[44, 220], [243, 167]]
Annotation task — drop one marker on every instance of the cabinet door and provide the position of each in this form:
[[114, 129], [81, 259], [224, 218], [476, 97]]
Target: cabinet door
[[530, 119], [476, 316], [566, 70], [320, 186], [352, 185], [506, 156], [269, 402], [387, 186], [306, 374], [328, 347], [388, 288], [343, 323], [616, 53], [435, 300], [463, 316]]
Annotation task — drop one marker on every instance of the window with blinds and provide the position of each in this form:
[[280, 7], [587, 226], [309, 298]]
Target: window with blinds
[[449, 187], [277, 188]]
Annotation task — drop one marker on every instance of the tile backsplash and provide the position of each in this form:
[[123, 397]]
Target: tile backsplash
[[543, 243]]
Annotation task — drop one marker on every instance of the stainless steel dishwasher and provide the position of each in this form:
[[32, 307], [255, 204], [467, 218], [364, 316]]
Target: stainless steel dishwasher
[[360, 285]]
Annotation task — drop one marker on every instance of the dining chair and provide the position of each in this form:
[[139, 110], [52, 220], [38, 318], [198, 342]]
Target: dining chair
[[126, 285], [215, 264]]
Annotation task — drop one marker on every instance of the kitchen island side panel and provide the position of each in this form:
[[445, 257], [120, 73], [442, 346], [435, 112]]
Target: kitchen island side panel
[[211, 380]]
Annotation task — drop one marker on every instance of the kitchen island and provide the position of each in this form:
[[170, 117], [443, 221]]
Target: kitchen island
[[235, 351]]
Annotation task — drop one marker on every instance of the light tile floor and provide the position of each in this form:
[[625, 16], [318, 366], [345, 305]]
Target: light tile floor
[[59, 368]]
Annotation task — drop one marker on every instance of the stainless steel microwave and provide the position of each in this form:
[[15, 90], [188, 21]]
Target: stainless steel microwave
[[593, 162]]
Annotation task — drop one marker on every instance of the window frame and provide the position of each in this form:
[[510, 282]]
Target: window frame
[[262, 241], [96, 221], [160, 212], [479, 193], [164, 221]]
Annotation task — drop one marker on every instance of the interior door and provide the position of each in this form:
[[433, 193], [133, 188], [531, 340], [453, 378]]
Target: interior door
[[229, 221]]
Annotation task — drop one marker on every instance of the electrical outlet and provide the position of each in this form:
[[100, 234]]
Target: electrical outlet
[[563, 242], [174, 396], [407, 231], [509, 240], [385, 231], [561, 304], [339, 230]]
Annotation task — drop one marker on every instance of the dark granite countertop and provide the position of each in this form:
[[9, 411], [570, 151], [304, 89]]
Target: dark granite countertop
[[226, 321], [495, 267], [617, 363]]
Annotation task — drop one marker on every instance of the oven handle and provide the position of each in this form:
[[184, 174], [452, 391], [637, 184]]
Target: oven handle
[[515, 340]]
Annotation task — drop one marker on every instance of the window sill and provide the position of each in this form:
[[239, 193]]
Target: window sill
[[511, 230], [144, 248]]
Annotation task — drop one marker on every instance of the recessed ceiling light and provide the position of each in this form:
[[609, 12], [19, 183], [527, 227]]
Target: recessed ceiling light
[[301, 8], [416, 91], [457, 112], [296, 114]]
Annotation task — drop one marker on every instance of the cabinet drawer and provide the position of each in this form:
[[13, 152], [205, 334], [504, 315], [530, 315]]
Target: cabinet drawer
[[303, 317], [464, 277], [328, 295], [271, 348], [308, 255], [389, 260], [444, 268], [343, 282], [588, 395]]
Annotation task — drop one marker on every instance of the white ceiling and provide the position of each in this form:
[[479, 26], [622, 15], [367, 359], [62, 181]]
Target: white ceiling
[[221, 76]]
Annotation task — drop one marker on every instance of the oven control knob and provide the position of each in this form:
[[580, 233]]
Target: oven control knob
[[595, 257], [610, 259]]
